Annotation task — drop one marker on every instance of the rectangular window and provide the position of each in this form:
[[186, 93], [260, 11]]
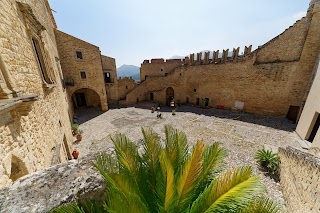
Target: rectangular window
[[83, 75], [79, 55], [41, 62], [107, 78]]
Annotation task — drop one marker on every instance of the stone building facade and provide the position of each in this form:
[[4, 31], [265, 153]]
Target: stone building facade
[[309, 122], [81, 63], [270, 80], [34, 123], [110, 78]]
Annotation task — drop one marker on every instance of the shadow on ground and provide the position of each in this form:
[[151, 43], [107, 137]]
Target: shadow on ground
[[84, 114], [280, 123]]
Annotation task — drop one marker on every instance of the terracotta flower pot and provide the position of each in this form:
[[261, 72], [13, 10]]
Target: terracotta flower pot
[[79, 137], [75, 154]]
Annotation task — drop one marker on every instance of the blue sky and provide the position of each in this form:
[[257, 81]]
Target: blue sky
[[133, 30]]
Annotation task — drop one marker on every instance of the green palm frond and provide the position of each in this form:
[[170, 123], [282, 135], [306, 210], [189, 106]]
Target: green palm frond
[[176, 145], [262, 205], [212, 156], [107, 163], [230, 192], [152, 148], [68, 208], [189, 176], [169, 181], [126, 152], [123, 201], [92, 207]]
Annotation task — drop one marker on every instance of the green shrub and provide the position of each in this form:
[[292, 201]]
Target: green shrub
[[172, 177], [268, 160], [74, 126]]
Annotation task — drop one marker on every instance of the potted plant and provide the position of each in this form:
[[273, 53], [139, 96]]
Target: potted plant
[[74, 129], [79, 135], [75, 154]]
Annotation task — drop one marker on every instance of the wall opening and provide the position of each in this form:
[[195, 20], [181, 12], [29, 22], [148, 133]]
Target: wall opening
[[187, 100], [86, 98], [81, 99], [18, 168], [79, 55], [198, 101], [151, 96], [293, 113], [107, 78], [41, 60], [206, 102], [83, 75], [169, 95], [315, 128]]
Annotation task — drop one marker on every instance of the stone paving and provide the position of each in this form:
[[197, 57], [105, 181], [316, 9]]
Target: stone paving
[[242, 134]]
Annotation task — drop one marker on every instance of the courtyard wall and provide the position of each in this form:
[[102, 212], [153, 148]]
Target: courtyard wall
[[299, 178]]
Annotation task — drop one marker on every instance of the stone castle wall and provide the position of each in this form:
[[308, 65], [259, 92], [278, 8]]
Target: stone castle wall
[[158, 67], [72, 66], [30, 139], [300, 178], [268, 80], [125, 85]]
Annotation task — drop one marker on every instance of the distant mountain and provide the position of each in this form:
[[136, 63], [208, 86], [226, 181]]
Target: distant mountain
[[129, 71]]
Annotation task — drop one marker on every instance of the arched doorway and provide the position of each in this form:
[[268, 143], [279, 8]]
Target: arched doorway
[[169, 95], [86, 105], [85, 98]]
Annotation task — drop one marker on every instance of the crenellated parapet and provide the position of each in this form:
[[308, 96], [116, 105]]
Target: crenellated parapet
[[208, 57]]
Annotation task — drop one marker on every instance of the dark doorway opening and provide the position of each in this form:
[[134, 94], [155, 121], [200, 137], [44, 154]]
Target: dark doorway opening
[[198, 101], [151, 96], [107, 78], [170, 96], [206, 102], [187, 100], [81, 99], [315, 128], [293, 113]]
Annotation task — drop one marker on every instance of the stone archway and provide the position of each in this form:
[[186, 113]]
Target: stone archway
[[85, 97], [169, 95]]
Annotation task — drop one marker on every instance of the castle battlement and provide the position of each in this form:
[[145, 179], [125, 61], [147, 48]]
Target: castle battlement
[[205, 57]]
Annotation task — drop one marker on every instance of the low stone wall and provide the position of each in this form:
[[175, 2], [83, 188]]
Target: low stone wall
[[300, 180], [44, 190]]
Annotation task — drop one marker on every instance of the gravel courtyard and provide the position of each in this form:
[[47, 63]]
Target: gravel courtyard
[[242, 134]]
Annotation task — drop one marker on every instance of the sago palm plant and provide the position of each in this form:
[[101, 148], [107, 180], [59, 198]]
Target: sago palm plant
[[170, 177], [268, 160]]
